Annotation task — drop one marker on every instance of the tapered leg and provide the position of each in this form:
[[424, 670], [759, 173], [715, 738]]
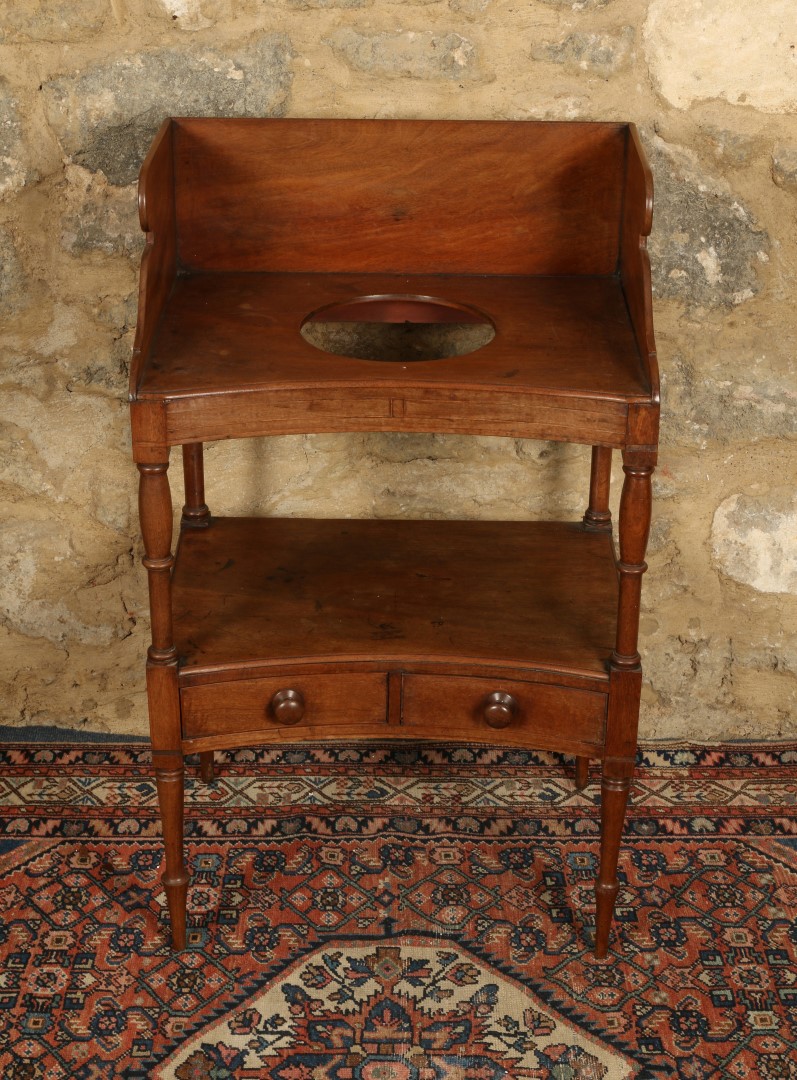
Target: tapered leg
[[206, 765], [175, 874], [582, 772], [614, 798]]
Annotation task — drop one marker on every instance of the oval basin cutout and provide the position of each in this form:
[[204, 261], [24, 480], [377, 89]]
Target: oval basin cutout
[[397, 329]]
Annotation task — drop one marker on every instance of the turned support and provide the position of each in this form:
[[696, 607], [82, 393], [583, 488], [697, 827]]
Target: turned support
[[196, 514], [175, 877], [155, 510], [614, 799], [598, 516], [634, 526]]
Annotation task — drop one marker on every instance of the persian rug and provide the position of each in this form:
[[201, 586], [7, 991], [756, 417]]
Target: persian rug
[[398, 913]]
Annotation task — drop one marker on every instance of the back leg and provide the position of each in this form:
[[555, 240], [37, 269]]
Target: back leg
[[582, 772]]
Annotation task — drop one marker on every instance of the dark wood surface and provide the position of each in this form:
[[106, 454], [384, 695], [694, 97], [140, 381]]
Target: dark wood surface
[[545, 717], [156, 214], [474, 410], [271, 591], [636, 224], [225, 333], [352, 702], [415, 196], [356, 706]]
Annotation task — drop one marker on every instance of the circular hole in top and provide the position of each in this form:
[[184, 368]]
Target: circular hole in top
[[398, 329]]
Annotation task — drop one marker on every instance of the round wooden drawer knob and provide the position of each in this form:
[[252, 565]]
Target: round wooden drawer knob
[[500, 709], [287, 706]]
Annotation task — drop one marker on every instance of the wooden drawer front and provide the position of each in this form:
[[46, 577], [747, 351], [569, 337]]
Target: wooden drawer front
[[324, 702], [539, 715]]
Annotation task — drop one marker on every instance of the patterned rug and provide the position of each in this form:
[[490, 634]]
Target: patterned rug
[[395, 913]]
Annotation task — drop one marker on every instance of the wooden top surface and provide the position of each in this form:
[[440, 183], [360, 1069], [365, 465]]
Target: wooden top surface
[[225, 332], [272, 590], [406, 196]]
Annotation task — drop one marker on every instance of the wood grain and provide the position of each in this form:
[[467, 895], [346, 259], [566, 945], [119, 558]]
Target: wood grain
[[394, 592], [547, 717], [235, 332], [635, 226], [299, 195], [563, 363], [156, 213], [331, 701]]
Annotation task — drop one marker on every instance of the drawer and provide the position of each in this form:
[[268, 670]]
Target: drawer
[[529, 714], [291, 706]]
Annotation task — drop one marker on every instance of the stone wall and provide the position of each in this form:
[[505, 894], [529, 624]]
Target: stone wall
[[713, 87]]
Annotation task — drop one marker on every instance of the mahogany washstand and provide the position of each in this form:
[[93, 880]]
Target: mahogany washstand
[[514, 632]]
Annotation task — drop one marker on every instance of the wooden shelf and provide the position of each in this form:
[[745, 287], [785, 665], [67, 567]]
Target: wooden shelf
[[229, 333], [228, 360], [250, 594]]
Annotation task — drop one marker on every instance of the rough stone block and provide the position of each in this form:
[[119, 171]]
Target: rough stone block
[[13, 170], [604, 54], [705, 246], [100, 217], [753, 540], [51, 20], [733, 147], [307, 5], [35, 541], [12, 278], [578, 5], [743, 52], [717, 402], [784, 166], [421, 55], [469, 7], [192, 15], [187, 14], [105, 117]]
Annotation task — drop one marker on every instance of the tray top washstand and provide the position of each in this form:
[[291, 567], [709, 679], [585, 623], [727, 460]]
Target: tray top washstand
[[260, 233]]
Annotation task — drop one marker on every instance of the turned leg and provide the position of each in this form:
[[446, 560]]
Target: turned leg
[[155, 510], [614, 798], [625, 686], [582, 772], [634, 527], [196, 514], [598, 516], [206, 765], [171, 798]]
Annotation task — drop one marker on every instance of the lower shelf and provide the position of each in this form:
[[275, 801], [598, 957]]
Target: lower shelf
[[253, 596]]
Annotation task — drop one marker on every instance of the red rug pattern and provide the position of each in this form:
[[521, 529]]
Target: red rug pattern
[[395, 913]]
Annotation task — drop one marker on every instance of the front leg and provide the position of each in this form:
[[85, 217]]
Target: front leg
[[169, 777], [155, 511], [625, 686]]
